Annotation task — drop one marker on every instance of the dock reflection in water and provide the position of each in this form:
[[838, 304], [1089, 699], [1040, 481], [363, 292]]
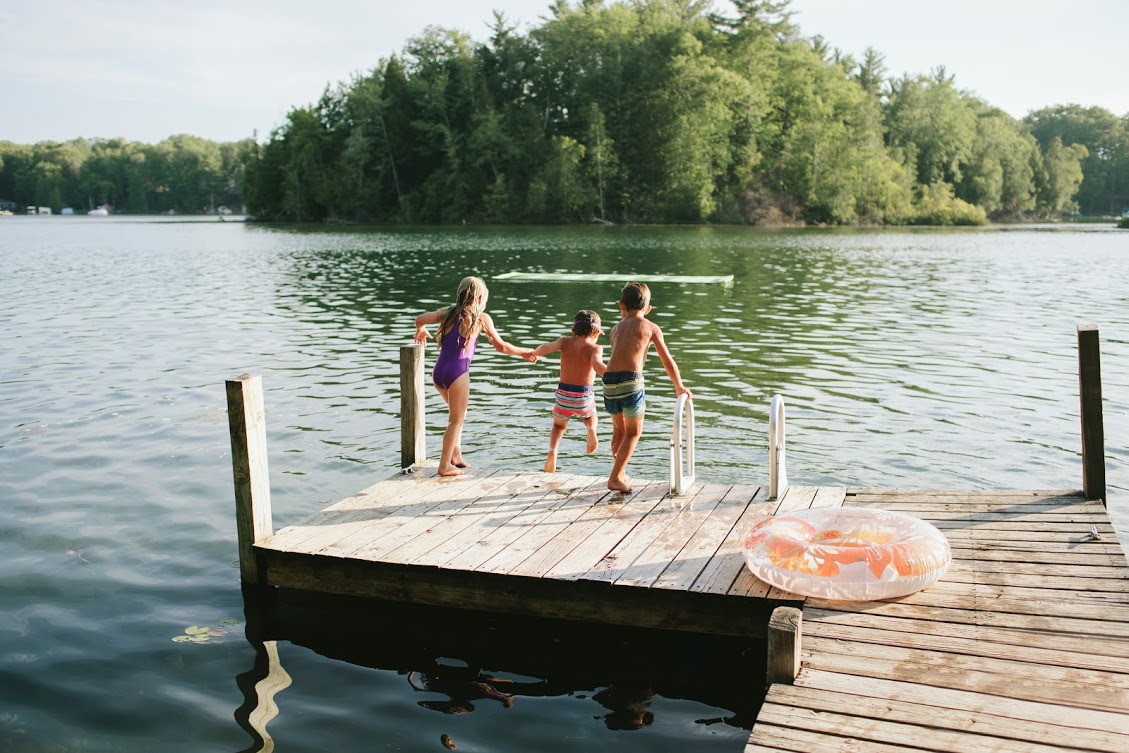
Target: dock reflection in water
[[457, 662]]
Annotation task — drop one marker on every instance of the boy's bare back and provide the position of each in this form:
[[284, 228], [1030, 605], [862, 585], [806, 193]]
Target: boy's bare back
[[581, 360], [631, 337]]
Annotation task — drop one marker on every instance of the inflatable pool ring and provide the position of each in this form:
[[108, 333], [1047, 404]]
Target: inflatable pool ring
[[847, 553]]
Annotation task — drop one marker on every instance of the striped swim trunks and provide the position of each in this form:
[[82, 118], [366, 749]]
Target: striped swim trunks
[[574, 400], [624, 393]]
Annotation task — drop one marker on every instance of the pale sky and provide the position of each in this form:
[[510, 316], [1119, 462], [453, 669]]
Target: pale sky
[[147, 69]]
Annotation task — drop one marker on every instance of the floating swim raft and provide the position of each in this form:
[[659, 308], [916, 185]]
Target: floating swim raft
[[584, 277]]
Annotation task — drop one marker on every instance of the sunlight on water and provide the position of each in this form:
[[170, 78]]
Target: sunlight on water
[[907, 358]]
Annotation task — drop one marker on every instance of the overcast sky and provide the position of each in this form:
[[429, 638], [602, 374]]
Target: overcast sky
[[146, 69]]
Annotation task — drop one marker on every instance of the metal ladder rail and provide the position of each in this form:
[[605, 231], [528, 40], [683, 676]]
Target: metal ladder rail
[[682, 474], [777, 471]]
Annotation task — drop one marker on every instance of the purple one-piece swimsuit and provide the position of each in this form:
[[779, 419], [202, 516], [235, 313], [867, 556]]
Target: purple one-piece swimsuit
[[455, 355]]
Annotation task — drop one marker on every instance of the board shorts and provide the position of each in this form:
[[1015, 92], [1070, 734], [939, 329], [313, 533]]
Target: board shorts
[[574, 401], [624, 393]]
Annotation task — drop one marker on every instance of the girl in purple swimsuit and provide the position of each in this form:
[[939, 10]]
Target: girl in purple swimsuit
[[459, 328]]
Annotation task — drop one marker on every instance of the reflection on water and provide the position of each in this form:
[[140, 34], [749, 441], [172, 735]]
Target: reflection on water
[[461, 686], [908, 358], [532, 673], [259, 685]]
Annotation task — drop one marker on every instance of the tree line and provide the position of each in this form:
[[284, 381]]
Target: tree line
[[182, 174], [665, 111], [633, 111]]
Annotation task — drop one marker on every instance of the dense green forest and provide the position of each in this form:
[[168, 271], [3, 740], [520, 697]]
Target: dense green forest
[[664, 111], [182, 175], [633, 111]]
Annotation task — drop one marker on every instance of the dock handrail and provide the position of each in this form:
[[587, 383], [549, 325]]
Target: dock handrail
[[777, 471], [682, 474]]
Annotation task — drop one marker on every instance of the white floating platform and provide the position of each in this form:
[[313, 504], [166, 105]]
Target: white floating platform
[[577, 277]]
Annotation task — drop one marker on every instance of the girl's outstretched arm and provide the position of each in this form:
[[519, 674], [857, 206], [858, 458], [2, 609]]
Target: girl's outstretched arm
[[501, 345], [431, 317], [547, 348]]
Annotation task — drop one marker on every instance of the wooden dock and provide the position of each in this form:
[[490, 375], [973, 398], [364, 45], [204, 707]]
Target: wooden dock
[[1022, 645], [546, 545]]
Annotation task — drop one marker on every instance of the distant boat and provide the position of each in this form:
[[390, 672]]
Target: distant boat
[[99, 212]]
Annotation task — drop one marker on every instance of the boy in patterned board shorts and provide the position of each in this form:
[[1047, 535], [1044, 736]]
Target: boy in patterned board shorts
[[624, 395], [581, 360]]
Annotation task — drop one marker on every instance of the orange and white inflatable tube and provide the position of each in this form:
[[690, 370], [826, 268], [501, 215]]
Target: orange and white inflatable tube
[[848, 553]]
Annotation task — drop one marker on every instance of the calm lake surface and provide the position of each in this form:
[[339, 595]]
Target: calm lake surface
[[924, 358]]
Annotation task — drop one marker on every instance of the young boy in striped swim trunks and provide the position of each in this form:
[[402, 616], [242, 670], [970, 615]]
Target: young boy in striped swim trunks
[[624, 395], [581, 360]]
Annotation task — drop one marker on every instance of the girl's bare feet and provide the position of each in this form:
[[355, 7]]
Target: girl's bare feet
[[619, 485], [459, 461], [451, 471], [551, 462]]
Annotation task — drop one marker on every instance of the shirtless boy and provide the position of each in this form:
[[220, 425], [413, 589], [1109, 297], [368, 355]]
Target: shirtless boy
[[581, 360], [624, 395]]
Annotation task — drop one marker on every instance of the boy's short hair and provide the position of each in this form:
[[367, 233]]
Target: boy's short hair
[[635, 296], [585, 323]]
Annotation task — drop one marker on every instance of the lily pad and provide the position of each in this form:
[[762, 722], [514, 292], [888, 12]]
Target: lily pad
[[181, 638], [229, 621], [195, 630]]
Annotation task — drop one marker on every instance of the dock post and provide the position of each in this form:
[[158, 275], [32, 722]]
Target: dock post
[[785, 629], [1093, 430], [247, 424], [413, 440]]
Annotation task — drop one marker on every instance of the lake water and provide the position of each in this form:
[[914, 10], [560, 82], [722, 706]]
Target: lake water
[[925, 358]]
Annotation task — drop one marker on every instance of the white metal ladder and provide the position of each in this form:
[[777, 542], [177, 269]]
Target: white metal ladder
[[682, 473], [777, 472]]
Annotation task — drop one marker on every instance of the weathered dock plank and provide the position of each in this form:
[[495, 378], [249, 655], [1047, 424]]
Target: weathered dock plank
[[1006, 677], [934, 698], [617, 562], [1040, 648], [504, 531], [1063, 636], [1023, 645], [478, 526], [989, 725], [560, 518], [415, 520], [728, 564], [665, 547], [626, 510], [593, 548], [696, 554], [449, 525]]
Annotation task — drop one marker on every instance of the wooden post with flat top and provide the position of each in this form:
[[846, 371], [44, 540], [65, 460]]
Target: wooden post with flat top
[[785, 629], [247, 423], [1093, 430], [413, 442]]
